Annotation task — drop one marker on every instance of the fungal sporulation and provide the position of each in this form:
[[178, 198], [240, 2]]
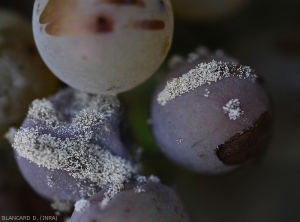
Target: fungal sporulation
[[138, 3], [232, 108], [149, 24], [204, 73], [249, 144]]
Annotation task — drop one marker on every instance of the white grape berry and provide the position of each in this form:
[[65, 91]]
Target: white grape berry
[[103, 46]]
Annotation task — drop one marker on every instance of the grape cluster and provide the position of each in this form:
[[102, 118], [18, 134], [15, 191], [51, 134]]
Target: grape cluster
[[209, 113]]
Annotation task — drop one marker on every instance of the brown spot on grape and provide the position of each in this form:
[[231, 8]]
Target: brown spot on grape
[[138, 3], [149, 24], [75, 24], [165, 47], [245, 146], [162, 5], [127, 210], [104, 24], [84, 57]]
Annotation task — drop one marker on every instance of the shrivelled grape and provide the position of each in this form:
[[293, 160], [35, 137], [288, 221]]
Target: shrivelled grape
[[211, 114], [140, 201], [23, 75], [71, 145], [103, 46]]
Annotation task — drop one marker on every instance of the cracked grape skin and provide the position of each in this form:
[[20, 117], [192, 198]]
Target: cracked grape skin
[[103, 47], [56, 181], [140, 201], [194, 131]]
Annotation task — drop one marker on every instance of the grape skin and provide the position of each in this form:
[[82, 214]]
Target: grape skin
[[192, 128], [103, 47], [146, 201]]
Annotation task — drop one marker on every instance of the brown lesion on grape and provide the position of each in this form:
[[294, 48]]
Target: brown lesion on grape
[[138, 3], [250, 144], [64, 18], [148, 24], [74, 24]]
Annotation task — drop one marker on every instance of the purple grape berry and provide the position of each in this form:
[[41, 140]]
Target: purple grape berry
[[140, 201], [70, 145], [211, 114]]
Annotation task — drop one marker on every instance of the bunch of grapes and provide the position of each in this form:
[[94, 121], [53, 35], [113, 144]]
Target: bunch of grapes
[[209, 113]]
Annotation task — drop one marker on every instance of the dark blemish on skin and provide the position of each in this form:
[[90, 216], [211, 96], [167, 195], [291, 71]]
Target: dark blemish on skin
[[151, 24], [138, 3], [80, 25], [84, 57], [245, 146], [195, 144], [201, 155], [158, 208], [127, 210], [104, 24], [112, 88], [162, 5], [154, 200]]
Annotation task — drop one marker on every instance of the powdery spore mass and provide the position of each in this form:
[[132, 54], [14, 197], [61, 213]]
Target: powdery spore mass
[[82, 205], [204, 73], [74, 153], [232, 108]]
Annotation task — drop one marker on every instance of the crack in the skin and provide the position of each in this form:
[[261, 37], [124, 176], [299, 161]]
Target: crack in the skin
[[250, 144]]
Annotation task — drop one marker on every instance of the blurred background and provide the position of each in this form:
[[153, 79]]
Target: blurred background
[[264, 34]]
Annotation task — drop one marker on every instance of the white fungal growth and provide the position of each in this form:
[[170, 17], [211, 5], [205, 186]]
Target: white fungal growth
[[62, 206], [104, 203], [204, 73], [154, 179], [138, 189], [174, 60], [232, 108], [192, 57], [141, 179], [82, 205], [207, 92], [76, 155]]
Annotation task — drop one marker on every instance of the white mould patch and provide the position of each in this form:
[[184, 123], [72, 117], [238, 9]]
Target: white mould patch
[[203, 73], [62, 206], [104, 203], [82, 205], [154, 179], [174, 60], [232, 108], [207, 92], [76, 155], [138, 189]]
